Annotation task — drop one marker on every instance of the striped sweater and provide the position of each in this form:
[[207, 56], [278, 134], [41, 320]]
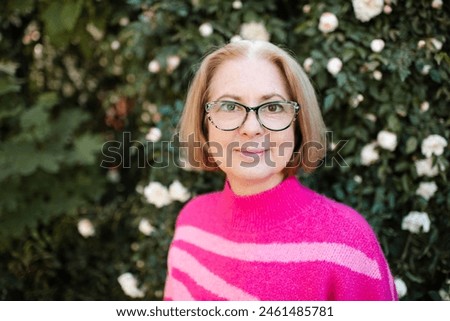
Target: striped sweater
[[286, 243]]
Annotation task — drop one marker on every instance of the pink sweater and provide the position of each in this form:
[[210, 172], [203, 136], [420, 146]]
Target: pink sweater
[[287, 243]]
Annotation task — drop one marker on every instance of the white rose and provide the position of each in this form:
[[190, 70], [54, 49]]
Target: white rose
[[426, 190], [367, 9], [357, 179], [377, 45], [145, 227], [134, 246], [124, 21], [377, 75], [356, 100], [254, 31], [140, 264], [85, 228], [128, 283], [426, 69], [387, 9], [433, 144], [113, 175], [334, 66], [139, 189], [387, 140], [151, 108], [401, 287], [424, 106], [421, 44], [307, 64], [306, 8], [95, 32], [369, 154], [445, 295], [157, 194], [424, 167], [415, 222], [235, 38], [436, 43], [115, 45], [437, 4], [154, 134], [146, 118], [206, 29], [371, 117], [154, 66], [328, 22], [178, 192], [173, 62], [237, 4]]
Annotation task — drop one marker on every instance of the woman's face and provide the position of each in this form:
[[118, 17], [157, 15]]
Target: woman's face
[[251, 156]]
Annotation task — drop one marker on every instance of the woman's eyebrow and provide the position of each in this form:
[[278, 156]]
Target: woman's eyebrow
[[266, 97], [238, 98]]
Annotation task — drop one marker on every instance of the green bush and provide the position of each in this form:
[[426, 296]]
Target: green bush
[[84, 84]]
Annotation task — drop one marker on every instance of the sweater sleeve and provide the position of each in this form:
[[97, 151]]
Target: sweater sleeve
[[352, 286]]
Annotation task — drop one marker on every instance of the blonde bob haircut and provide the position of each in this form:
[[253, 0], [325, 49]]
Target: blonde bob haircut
[[310, 142]]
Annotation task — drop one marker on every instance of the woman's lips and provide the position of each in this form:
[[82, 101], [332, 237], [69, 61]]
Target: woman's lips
[[252, 154]]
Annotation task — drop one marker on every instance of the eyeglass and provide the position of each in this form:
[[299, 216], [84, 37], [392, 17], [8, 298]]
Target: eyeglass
[[230, 115]]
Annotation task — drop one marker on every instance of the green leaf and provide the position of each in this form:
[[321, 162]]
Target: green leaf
[[22, 7], [70, 13], [47, 100], [8, 85], [60, 19], [328, 102], [87, 147], [35, 121], [49, 162], [394, 123], [442, 56], [411, 145], [17, 159], [435, 75], [341, 79], [36, 116]]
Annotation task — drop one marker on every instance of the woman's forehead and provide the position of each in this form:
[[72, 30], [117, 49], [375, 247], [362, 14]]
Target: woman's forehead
[[244, 77]]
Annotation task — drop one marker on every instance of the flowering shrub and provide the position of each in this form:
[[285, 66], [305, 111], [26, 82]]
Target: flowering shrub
[[91, 92]]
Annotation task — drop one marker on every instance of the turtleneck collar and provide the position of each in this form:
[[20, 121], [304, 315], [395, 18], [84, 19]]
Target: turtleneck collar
[[265, 210]]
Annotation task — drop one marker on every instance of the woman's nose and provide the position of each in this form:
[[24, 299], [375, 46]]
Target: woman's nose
[[251, 125]]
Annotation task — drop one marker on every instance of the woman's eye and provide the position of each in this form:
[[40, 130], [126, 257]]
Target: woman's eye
[[228, 107], [274, 108]]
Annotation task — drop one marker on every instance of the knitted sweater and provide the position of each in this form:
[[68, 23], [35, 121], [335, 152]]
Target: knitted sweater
[[286, 243]]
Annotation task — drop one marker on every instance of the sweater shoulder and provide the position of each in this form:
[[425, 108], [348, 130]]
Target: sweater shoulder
[[343, 222], [197, 207], [345, 213]]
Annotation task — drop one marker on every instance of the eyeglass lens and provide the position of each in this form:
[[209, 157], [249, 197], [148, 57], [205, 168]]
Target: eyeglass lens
[[229, 115]]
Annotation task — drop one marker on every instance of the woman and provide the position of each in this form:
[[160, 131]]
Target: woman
[[251, 112]]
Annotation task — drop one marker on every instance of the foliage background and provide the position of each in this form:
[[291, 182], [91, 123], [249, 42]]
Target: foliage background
[[75, 74]]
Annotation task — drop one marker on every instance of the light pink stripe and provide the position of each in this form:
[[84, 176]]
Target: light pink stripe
[[168, 289], [186, 263], [336, 253], [175, 290], [180, 292]]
